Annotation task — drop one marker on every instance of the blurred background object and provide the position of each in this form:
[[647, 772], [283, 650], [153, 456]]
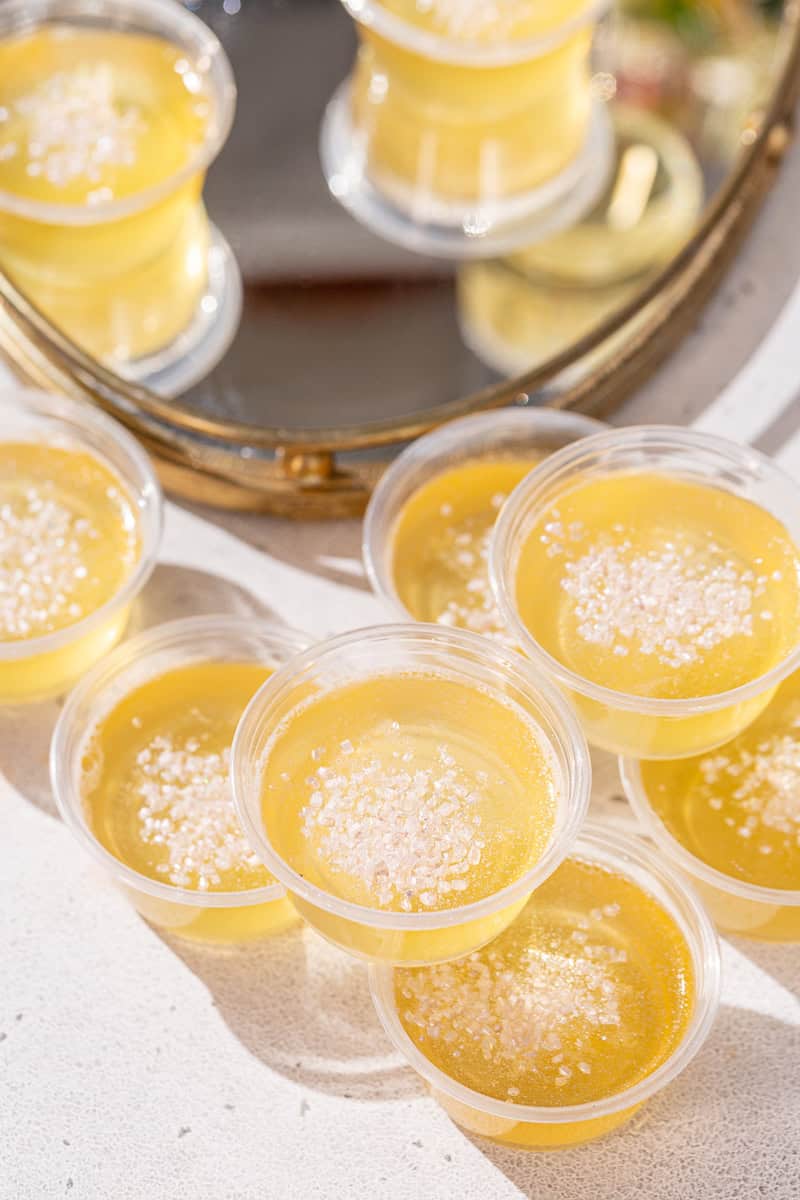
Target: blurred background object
[[468, 129]]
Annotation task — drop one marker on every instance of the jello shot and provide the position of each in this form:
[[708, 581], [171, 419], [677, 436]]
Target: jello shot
[[730, 820], [597, 996], [110, 113], [430, 520], [141, 770], [654, 573], [410, 786], [469, 128], [80, 524]]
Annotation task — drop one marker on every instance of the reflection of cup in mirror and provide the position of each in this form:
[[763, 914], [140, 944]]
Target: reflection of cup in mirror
[[468, 127], [80, 526], [109, 117], [520, 311]]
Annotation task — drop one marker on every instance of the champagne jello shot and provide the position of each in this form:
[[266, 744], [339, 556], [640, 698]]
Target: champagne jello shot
[[730, 820], [80, 525], [597, 996], [140, 767], [110, 114], [410, 786], [468, 129], [430, 519], [654, 573]]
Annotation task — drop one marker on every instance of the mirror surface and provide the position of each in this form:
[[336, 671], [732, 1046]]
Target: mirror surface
[[340, 327]]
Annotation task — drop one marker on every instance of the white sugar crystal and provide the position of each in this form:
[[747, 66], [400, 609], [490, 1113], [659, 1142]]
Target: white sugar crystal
[[188, 808]]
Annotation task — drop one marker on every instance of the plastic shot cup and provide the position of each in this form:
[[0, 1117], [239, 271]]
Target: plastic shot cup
[[460, 141], [736, 905], [39, 667], [329, 675], [206, 915], [555, 1127], [615, 719], [508, 435]]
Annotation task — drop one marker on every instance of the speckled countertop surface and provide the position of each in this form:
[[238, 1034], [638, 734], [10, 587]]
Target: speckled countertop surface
[[136, 1068]]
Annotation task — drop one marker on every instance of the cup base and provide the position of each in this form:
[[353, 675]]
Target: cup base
[[194, 353], [455, 230]]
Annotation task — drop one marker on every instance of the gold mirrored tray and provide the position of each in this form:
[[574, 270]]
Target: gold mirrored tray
[[349, 345]]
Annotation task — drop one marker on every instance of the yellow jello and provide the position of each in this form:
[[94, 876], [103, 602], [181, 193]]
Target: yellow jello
[[549, 1035], [736, 809], [157, 792], [76, 542], [440, 545], [659, 587], [104, 136], [409, 810], [659, 601], [409, 793], [429, 523], [470, 103], [69, 538]]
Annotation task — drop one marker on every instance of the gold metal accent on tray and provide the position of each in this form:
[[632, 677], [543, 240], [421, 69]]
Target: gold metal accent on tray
[[327, 471]]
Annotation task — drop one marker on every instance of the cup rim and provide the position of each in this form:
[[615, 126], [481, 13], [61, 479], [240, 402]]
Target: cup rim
[[632, 784], [70, 733], [441, 445], [701, 938], [89, 429], [566, 462], [574, 802], [28, 15], [469, 52]]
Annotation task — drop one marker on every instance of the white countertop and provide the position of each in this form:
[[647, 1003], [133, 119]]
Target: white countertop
[[134, 1068]]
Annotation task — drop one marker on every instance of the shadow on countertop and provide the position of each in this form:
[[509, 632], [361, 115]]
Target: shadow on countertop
[[328, 549], [303, 1008]]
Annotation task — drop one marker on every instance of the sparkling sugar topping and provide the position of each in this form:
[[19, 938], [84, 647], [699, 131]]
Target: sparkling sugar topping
[[766, 786], [473, 18], [674, 602], [42, 567], [76, 128], [409, 834], [187, 807], [466, 555], [530, 1011]]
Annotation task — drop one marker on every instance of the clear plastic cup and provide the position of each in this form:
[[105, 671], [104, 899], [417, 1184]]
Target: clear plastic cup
[[125, 278], [462, 144], [503, 433], [763, 913], [632, 725], [200, 915], [39, 667], [374, 933], [548, 1128]]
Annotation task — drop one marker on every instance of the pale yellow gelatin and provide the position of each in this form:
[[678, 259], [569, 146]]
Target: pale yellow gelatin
[[586, 994], [463, 133], [70, 540], [737, 809], [440, 545], [157, 795], [662, 589], [89, 118], [413, 794]]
